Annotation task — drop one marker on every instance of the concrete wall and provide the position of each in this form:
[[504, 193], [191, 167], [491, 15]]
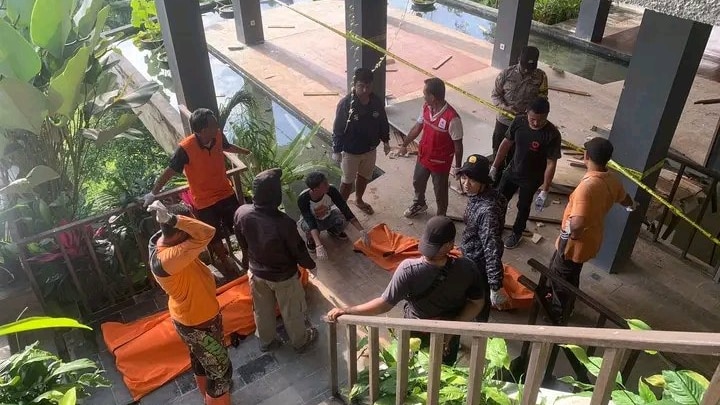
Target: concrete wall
[[707, 11]]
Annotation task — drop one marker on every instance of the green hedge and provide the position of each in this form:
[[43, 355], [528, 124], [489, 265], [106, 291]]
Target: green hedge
[[547, 11]]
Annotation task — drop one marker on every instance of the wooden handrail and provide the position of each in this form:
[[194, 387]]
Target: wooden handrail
[[616, 343]]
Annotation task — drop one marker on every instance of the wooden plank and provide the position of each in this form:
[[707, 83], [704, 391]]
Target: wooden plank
[[712, 395], [320, 93], [605, 383], [547, 220], [351, 332], [570, 91], [332, 353], [477, 366], [374, 348], [412, 148], [281, 26], [436, 352], [391, 70], [670, 341], [708, 101], [403, 359], [442, 62], [539, 356]]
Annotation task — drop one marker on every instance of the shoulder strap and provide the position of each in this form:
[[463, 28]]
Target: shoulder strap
[[439, 279]]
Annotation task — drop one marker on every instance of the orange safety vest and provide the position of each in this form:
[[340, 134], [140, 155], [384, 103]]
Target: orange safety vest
[[206, 172]]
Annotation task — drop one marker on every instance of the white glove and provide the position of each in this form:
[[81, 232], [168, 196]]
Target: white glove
[[320, 252], [365, 237], [635, 205], [499, 298], [493, 173], [386, 148], [337, 157], [540, 201], [148, 198], [161, 212]]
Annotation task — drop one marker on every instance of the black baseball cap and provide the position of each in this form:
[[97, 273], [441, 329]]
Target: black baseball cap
[[438, 231], [599, 150], [529, 57], [476, 167]]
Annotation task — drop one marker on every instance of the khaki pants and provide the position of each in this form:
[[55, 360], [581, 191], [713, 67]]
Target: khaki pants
[[290, 297]]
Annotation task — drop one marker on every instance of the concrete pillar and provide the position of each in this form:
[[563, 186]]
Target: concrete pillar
[[665, 59], [511, 31], [713, 158], [369, 20], [184, 36], [592, 20], [248, 22]]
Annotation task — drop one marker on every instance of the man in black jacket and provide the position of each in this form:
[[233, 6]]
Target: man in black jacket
[[484, 222], [275, 250], [324, 209], [360, 124]]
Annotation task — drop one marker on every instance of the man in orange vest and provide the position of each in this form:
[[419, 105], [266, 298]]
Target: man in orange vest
[[200, 157], [440, 151]]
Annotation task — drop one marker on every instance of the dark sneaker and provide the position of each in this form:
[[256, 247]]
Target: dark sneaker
[[414, 210], [270, 346], [338, 235], [513, 241], [310, 245], [311, 337]]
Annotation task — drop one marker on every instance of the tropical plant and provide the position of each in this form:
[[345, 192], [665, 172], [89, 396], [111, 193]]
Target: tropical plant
[[453, 379], [144, 18], [40, 377], [547, 11], [679, 387]]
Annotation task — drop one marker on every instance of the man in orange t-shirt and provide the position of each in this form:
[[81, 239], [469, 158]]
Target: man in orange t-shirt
[[192, 303], [583, 220], [200, 156]]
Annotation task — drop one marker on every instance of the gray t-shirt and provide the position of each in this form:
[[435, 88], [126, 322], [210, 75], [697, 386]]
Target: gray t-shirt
[[414, 277]]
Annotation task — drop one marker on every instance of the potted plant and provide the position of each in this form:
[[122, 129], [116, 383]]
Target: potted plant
[[423, 5], [144, 18], [226, 11]]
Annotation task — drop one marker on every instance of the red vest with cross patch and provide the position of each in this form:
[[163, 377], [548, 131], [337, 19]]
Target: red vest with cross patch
[[437, 150]]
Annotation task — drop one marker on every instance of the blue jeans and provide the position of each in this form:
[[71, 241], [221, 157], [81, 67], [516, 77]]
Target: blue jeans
[[335, 222]]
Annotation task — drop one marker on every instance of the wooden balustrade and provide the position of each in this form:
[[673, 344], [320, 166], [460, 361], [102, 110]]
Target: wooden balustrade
[[614, 342]]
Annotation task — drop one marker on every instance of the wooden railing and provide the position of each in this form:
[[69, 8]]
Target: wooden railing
[[615, 342], [110, 294]]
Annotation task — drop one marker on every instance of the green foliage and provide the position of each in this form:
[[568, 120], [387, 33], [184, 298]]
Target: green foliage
[[682, 387], [36, 376], [144, 17], [547, 11], [453, 380]]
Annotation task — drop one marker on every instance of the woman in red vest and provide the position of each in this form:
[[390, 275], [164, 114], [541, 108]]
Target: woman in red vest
[[441, 142]]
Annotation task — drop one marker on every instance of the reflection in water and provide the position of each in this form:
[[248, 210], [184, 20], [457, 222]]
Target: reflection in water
[[560, 55]]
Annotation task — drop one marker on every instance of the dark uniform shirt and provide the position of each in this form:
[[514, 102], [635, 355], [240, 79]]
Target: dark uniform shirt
[[533, 148], [362, 131]]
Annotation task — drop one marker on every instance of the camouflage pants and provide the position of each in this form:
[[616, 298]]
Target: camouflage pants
[[208, 355]]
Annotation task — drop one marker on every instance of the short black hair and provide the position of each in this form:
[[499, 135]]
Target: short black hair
[[599, 150], [169, 231], [314, 179], [436, 87], [540, 105], [363, 75], [200, 119]]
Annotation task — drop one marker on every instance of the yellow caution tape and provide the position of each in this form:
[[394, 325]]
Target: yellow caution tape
[[631, 174]]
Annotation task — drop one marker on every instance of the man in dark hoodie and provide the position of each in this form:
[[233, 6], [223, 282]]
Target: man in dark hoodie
[[275, 249]]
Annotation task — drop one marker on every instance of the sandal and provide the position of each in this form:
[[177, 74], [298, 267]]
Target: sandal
[[365, 207], [311, 334]]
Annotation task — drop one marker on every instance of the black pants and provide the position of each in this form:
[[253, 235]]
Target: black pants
[[563, 300], [451, 349], [509, 184], [484, 315], [220, 216], [497, 138]]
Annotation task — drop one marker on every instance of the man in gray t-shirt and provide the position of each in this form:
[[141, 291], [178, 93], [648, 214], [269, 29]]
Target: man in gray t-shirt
[[435, 286]]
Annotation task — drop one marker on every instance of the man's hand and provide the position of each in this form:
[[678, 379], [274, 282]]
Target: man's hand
[[453, 171], [540, 201], [148, 198], [334, 314], [161, 212], [337, 157], [386, 148], [365, 237], [499, 298], [320, 252], [493, 173], [402, 151]]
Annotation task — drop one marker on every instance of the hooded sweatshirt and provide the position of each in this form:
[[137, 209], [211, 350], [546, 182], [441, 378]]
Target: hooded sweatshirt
[[270, 236]]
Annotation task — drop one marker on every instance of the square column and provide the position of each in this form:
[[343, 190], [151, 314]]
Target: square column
[[248, 22], [592, 20], [184, 37], [662, 70], [511, 31], [369, 20]]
